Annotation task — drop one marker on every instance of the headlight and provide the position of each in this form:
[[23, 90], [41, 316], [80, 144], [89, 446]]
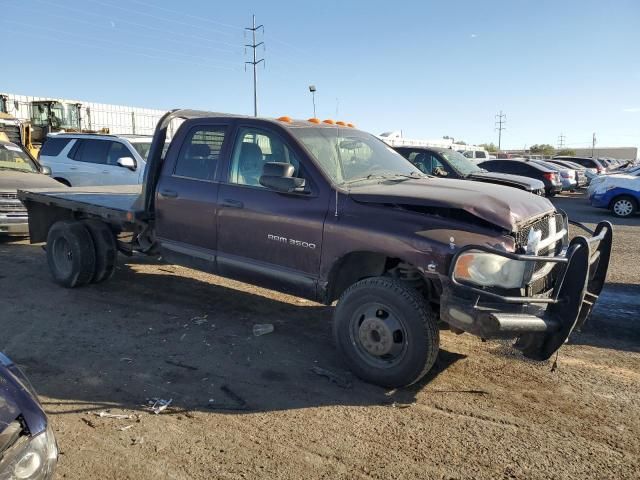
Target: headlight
[[489, 270], [33, 459]]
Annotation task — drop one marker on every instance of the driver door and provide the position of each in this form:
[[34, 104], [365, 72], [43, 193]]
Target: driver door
[[265, 237]]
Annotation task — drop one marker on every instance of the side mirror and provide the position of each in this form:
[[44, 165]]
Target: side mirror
[[45, 170], [278, 176], [127, 162]]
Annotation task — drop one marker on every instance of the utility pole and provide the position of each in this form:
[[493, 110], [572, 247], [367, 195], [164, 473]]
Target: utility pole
[[255, 62], [312, 89], [561, 140], [593, 144], [501, 120]]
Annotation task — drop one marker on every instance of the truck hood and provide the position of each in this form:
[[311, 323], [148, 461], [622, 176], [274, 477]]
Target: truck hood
[[530, 183], [504, 207], [13, 180]]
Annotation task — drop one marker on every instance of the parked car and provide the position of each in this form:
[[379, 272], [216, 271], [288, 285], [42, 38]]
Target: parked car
[[634, 171], [28, 448], [446, 163], [618, 193], [585, 162], [478, 155], [567, 175], [18, 170], [550, 178], [330, 213], [583, 174], [79, 159]]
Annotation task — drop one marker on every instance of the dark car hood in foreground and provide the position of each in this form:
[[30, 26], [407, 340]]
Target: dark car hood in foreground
[[502, 206], [13, 180], [530, 183]]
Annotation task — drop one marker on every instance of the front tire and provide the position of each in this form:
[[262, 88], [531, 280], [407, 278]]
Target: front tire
[[70, 253], [386, 332], [624, 206]]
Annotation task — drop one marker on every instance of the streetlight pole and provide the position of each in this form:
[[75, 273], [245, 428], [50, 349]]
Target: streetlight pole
[[312, 89]]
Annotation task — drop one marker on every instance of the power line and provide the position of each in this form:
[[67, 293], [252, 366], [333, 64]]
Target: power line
[[255, 62], [140, 25], [501, 120]]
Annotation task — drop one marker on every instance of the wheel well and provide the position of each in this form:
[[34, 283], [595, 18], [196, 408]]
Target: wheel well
[[63, 181], [356, 266]]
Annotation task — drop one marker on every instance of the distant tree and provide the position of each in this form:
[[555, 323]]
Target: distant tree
[[461, 142], [453, 140], [542, 149], [489, 147], [566, 151]]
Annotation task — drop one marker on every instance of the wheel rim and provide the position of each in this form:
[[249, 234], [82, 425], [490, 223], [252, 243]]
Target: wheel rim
[[378, 335], [62, 256], [623, 208]]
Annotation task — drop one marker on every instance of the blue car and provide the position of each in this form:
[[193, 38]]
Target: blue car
[[28, 449], [619, 193]]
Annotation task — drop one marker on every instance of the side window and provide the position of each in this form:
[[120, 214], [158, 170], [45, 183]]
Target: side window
[[252, 150], [480, 154], [91, 151], [53, 146], [116, 151], [200, 153], [421, 160]]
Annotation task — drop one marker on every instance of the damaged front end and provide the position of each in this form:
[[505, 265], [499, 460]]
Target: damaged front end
[[538, 294]]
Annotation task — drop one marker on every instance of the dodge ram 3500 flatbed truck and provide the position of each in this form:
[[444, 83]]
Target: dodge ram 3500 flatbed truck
[[330, 213]]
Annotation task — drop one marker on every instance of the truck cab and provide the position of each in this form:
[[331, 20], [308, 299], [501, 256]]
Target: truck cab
[[322, 210]]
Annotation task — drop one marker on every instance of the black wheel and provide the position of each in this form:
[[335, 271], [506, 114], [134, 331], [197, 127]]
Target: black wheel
[[70, 253], [106, 249], [386, 332], [624, 206]]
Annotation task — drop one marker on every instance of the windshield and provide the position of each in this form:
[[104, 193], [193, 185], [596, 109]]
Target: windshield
[[460, 163], [13, 158], [346, 155], [56, 114], [142, 149]]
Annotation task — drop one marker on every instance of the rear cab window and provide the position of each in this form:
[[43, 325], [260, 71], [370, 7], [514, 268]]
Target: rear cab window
[[200, 152]]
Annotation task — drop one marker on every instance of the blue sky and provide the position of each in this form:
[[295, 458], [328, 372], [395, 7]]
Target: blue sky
[[429, 68]]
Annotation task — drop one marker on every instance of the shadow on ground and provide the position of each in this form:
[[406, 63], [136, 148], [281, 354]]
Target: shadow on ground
[[151, 332]]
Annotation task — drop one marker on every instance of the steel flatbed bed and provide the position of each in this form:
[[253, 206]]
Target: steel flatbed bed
[[113, 203]]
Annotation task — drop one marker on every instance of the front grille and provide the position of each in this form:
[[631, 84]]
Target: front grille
[[522, 236], [9, 203]]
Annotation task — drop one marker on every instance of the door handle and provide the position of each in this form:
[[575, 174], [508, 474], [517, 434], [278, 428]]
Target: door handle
[[106, 172], [228, 202], [73, 168], [168, 194]]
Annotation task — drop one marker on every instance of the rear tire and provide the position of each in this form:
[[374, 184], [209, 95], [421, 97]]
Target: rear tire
[[386, 332], [624, 206], [106, 249], [70, 253]]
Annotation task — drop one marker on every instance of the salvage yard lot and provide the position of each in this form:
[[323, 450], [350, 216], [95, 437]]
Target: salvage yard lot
[[248, 407]]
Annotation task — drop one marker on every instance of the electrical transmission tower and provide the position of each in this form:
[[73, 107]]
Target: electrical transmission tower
[[561, 139], [501, 120], [253, 29]]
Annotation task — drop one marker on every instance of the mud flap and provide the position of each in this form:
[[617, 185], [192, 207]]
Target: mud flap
[[582, 283]]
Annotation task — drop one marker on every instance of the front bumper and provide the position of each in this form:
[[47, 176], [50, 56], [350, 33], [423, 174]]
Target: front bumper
[[542, 322], [14, 224], [600, 200]]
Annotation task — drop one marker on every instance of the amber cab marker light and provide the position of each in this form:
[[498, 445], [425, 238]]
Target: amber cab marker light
[[351, 125], [284, 119], [329, 121], [314, 120], [341, 123]]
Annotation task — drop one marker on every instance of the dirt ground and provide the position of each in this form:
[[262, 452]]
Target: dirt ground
[[251, 407]]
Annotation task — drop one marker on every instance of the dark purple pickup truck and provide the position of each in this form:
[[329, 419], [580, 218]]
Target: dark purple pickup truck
[[330, 213]]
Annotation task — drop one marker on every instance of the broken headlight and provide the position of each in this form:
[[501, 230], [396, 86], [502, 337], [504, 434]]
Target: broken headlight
[[489, 270], [31, 458]]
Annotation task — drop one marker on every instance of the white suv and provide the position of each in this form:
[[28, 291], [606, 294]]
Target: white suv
[[79, 159]]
